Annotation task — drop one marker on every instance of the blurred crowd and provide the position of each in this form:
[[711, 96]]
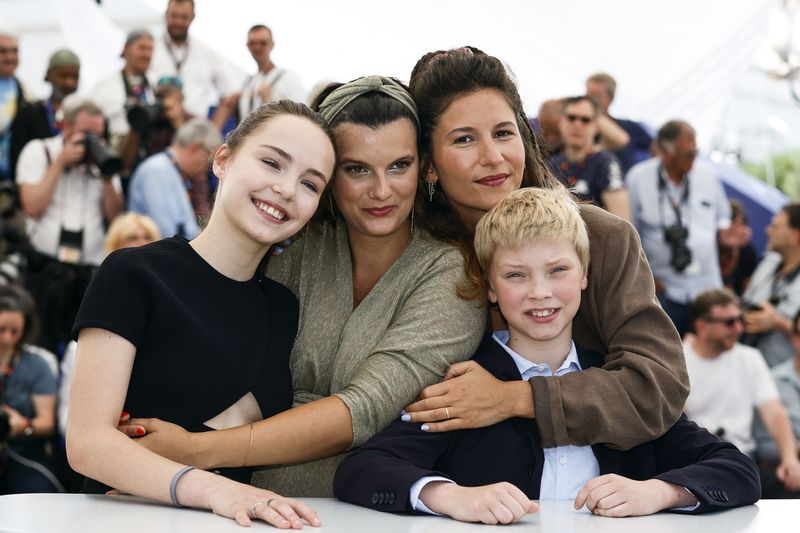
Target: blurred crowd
[[126, 162]]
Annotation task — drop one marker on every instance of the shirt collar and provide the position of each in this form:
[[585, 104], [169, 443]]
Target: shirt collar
[[528, 369]]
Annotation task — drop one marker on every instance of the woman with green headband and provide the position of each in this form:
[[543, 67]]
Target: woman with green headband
[[380, 317]]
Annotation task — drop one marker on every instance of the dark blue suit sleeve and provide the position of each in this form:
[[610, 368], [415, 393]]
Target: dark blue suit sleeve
[[715, 471], [380, 473]]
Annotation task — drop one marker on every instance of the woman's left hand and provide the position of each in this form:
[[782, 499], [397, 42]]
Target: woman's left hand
[[470, 397], [164, 438]]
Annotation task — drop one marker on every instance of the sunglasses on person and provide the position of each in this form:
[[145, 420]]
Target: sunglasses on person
[[727, 322], [583, 119]]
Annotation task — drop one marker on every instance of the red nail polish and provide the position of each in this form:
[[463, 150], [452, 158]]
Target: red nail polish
[[124, 414], [140, 431]]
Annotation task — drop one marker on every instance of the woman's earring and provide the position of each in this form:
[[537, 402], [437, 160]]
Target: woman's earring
[[431, 190]]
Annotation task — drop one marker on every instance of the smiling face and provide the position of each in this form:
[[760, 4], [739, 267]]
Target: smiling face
[[538, 289], [271, 185], [376, 176], [478, 153]]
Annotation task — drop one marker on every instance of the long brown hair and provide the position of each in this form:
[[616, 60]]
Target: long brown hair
[[437, 80]]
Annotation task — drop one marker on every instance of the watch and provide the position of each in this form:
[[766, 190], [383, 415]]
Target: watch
[[28, 431]]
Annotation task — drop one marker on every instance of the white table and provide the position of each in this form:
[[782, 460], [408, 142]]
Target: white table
[[76, 513]]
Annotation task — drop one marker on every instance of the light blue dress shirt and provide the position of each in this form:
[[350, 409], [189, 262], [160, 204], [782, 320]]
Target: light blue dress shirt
[[566, 468], [157, 190]]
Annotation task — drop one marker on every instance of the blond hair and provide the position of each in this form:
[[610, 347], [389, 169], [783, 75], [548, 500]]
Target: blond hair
[[124, 228], [531, 215]]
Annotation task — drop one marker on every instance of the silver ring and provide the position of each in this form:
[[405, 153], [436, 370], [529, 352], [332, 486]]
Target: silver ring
[[269, 502], [255, 506], [447, 412]]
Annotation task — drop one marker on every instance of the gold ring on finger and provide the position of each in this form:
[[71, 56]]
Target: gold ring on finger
[[447, 412]]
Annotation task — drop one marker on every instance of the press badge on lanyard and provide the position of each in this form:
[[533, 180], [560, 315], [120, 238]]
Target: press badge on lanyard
[[70, 246]]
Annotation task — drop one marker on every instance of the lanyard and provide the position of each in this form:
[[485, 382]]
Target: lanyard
[[780, 284], [175, 60], [141, 92], [676, 204]]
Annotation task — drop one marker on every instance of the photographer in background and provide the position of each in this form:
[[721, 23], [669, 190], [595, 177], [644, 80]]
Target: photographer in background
[[68, 188], [773, 296], [153, 128], [121, 91], [680, 209]]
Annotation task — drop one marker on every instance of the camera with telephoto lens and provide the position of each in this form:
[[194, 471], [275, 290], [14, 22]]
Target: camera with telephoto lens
[[681, 255], [140, 115], [106, 158]]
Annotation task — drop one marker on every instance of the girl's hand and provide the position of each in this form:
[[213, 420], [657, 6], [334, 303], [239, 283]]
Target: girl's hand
[[244, 504], [166, 439]]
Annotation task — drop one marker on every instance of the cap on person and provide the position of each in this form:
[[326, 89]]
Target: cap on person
[[63, 58], [133, 36]]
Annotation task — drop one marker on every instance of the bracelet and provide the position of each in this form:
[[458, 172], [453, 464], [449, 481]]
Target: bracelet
[[247, 454], [173, 485]]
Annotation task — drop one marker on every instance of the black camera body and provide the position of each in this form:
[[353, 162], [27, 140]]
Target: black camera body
[[680, 254], [106, 158], [140, 115]]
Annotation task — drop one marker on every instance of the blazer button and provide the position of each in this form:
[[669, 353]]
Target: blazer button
[[391, 498], [381, 498], [374, 498]]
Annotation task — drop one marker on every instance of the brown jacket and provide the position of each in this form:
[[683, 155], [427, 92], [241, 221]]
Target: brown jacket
[[645, 385]]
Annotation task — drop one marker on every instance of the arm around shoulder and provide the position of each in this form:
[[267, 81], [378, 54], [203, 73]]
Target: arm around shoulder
[[642, 387], [432, 329]]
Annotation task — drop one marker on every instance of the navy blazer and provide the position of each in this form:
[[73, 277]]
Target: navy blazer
[[380, 473]]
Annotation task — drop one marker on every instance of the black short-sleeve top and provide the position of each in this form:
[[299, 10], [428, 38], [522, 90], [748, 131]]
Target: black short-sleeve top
[[202, 340]]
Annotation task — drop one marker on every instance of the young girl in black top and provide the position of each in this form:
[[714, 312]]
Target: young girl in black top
[[193, 334]]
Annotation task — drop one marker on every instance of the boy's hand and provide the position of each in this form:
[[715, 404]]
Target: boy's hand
[[614, 495], [500, 503]]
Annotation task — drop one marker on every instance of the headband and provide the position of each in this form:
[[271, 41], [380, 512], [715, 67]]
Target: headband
[[341, 97]]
